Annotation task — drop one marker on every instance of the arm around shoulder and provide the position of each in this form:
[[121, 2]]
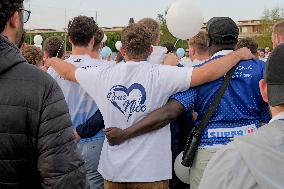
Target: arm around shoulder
[[218, 67]]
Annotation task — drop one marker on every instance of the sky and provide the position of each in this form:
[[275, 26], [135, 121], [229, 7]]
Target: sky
[[56, 13]]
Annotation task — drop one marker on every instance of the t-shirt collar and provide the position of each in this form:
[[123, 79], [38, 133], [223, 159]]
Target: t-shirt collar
[[278, 117], [222, 53]]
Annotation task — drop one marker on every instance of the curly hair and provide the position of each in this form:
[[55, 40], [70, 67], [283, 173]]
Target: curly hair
[[7, 9], [153, 26], [136, 41], [53, 45], [81, 30], [33, 55], [248, 42]]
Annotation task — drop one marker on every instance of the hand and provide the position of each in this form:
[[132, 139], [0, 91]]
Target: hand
[[115, 136], [244, 54], [171, 59], [77, 136]]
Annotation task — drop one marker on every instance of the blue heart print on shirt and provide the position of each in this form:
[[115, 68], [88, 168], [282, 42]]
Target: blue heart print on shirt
[[128, 100]]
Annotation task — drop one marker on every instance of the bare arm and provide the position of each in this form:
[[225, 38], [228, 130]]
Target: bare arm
[[64, 69], [219, 67], [155, 120]]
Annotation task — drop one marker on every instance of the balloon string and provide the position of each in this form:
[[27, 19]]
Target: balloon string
[[177, 42]]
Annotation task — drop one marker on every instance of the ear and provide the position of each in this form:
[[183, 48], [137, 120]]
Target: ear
[[45, 56], [15, 20], [123, 53], [92, 42], [150, 50], [263, 90], [69, 39]]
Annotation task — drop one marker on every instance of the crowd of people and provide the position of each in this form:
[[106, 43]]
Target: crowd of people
[[80, 121]]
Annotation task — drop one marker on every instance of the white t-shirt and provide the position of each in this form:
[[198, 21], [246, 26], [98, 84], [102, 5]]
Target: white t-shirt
[[128, 92], [158, 55], [81, 105]]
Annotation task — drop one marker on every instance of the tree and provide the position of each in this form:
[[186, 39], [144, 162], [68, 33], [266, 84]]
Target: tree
[[269, 18], [167, 36]]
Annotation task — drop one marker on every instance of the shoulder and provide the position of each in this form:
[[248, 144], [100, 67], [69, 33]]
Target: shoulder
[[222, 169]]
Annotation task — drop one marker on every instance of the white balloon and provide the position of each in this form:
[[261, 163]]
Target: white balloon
[[181, 171], [118, 45], [184, 19], [38, 40], [104, 39]]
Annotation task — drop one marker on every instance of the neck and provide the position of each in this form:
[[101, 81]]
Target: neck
[[276, 110], [95, 54], [76, 50], [9, 36], [201, 57], [216, 48]]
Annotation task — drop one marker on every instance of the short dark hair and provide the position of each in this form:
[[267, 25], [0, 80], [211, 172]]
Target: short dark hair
[[54, 45], [99, 36], [170, 47], [248, 42], [136, 41], [7, 9], [81, 30]]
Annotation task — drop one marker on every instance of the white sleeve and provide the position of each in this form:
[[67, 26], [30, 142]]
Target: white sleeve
[[88, 79], [174, 79]]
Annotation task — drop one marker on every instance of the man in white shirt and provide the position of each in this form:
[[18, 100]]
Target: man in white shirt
[[198, 49], [128, 92], [82, 107], [257, 160], [159, 53]]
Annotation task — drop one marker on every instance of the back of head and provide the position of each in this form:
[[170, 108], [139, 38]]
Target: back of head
[[200, 42], [7, 8], [170, 47], [223, 33], [154, 27], [278, 33], [54, 46], [33, 55], [248, 42], [81, 30], [274, 77], [136, 41], [99, 36], [278, 28]]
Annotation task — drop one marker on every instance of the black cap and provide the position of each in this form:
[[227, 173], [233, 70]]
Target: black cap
[[223, 30], [274, 76]]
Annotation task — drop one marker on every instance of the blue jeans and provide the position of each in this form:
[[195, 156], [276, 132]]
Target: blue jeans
[[91, 152]]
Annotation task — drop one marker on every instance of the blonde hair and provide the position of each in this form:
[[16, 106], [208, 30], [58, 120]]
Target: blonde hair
[[200, 42], [278, 28]]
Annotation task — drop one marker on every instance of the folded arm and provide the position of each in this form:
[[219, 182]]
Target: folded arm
[[155, 120]]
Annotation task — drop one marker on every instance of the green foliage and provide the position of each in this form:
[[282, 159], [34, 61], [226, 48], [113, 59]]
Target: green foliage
[[167, 36], [112, 38], [29, 39], [269, 18]]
